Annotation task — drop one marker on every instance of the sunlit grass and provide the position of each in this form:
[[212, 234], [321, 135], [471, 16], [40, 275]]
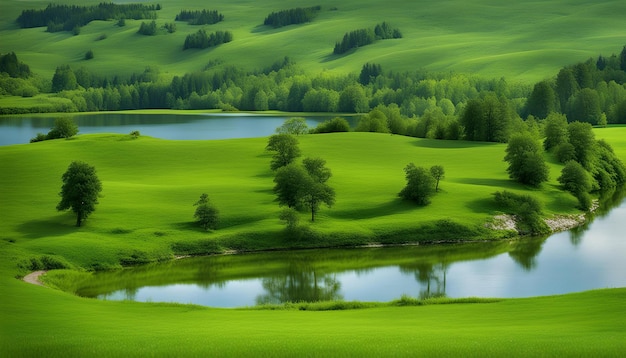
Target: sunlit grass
[[517, 40]]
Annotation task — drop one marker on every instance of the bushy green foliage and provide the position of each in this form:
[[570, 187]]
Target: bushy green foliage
[[200, 17], [362, 37], [292, 16], [286, 150], [420, 185], [206, 214], [15, 68], [337, 124], [294, 126], [89, 55], [80, 190], [64, 127], [375, 121], [526, 162], [369, 72], [148, 29], [527, 209], [203, 40]]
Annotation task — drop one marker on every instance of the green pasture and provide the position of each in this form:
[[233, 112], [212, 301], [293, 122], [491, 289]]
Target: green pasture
[[149, 186], [520, 40]]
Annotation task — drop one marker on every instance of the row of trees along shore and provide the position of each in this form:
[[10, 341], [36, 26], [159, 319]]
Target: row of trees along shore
[[450, 106]]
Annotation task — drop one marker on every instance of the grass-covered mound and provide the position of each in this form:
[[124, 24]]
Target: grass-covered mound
[[150, 186], [492, 38], [146, 211]]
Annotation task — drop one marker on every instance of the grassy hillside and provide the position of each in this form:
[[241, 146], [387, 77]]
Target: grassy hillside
[[526, 40], [149, 188]]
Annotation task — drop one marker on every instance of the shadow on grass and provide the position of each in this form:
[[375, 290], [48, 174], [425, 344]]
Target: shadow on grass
[[498, 184], [52, 226], [389, 208], [450, 144], [483, 205]]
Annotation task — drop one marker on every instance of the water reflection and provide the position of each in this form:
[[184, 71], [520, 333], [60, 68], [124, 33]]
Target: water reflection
[[520, 268], [17, 130]]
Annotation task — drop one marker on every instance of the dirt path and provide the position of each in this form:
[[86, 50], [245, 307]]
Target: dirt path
[[33, 277]]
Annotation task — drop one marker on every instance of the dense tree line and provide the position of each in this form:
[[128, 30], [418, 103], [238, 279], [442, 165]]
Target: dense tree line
[[591, 91], [200, 17], [292, 16], [362, 37], [68, 17], [441, 106], [203, 40]]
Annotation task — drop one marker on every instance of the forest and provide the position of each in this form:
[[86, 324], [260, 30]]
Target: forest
[[423, 104], [70, 17]]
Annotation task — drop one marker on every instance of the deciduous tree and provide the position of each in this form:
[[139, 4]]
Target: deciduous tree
[[526, 162], [420, 185], [80, 190], [286, 150]]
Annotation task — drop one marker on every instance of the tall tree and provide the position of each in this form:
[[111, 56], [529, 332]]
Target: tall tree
[[526, 162], [581, 137], [438, 173], [622, 59], [566, 86], [542, 100], [80, 190], [555, 130], [285, 147]]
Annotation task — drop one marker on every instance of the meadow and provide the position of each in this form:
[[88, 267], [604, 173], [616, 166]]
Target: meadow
[[521, 40], [146, 210]]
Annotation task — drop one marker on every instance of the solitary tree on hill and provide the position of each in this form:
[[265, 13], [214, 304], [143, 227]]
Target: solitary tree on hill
[[80, 190], [206, 213]]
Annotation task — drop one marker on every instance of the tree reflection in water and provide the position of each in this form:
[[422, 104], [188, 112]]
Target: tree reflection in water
[[432, 276], [301, 283]]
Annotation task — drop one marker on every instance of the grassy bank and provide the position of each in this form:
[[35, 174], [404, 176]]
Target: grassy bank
[[519, 40], [145, 214], [150, 185]]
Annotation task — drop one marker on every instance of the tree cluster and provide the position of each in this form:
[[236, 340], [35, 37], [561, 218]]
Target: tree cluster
[[592, 91], [200, 17], [421, 183], [64, 127], [69, 17], [203, 40], [292, 16], [10, 65], [369, 72], [362, 37], [148, 29]]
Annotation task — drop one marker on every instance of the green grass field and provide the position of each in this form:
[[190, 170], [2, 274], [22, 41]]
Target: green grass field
[[149, 188], [520, 40]]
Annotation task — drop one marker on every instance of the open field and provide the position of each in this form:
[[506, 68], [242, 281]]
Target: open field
[[520, 40], [146, 208]]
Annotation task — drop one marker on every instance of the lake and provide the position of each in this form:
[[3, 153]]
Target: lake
[[18, 130], [590, 257]]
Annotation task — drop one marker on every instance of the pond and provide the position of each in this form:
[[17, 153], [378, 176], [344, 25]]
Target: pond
[[589, 257], [17, 130]]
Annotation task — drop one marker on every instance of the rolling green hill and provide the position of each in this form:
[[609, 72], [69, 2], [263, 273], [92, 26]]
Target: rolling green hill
[[145, 211], [527, 40]]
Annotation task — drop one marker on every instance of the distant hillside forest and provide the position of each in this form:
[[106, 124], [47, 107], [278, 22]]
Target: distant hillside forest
[[427, 104], [71, 17]]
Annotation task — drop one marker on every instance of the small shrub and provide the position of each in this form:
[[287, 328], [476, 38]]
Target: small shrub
[[89, 55], [101, 37], [337, 124], [135, 134], [40, 137]]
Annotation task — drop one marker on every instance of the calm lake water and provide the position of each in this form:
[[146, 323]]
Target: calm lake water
[[17, 130], [586, 258]]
